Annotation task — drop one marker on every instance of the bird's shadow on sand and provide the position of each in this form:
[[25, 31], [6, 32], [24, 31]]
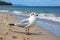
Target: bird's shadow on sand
[[39, 33]]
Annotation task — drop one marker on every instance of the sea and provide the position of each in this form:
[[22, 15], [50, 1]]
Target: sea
[[49, 16]]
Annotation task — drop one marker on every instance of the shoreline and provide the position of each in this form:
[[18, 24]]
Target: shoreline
[[37, 33]]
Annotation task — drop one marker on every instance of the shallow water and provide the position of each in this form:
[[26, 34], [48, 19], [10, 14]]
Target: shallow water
[[54, 29]]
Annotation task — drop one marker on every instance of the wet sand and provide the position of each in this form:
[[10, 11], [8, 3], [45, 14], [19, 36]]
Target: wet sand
[[17, 33]]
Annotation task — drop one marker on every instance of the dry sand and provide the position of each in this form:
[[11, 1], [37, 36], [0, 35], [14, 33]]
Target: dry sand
[[17, 33]]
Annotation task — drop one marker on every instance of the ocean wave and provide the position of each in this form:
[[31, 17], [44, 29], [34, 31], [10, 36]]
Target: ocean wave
[[17, 12], [4, 10], [41, 15], [49, 17]]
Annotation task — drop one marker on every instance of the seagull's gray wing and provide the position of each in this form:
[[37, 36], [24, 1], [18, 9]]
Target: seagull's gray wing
[[29, 25], [22, 23]]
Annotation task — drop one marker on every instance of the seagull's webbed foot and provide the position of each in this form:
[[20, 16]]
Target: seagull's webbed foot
[[28, 34]]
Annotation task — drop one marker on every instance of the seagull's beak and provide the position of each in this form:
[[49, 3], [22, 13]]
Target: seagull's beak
[[36, 15]]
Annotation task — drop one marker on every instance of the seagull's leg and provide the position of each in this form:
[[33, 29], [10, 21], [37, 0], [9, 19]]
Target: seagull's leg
[[28, 31]]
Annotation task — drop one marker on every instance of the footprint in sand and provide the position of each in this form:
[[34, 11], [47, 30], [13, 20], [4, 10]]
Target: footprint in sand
[[14, 37], [2, 38]]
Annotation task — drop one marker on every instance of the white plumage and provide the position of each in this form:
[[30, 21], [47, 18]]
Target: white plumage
[[29, 22]]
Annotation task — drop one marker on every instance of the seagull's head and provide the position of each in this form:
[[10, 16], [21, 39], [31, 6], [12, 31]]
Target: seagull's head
[[33, 14]]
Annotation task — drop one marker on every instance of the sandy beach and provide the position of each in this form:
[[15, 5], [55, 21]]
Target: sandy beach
[[17, 33]]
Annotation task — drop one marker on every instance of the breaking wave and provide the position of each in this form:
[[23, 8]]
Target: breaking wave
[[4, 10], [17, 12], [49, 17]]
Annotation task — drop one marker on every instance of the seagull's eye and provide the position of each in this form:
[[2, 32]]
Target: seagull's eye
[[32, 14]]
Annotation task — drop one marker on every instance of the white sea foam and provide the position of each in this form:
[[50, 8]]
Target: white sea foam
[[4, 10], [49, 17], [17, 12], [21, 13]]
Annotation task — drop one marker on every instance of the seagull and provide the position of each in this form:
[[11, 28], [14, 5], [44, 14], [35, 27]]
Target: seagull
[[27, 23]]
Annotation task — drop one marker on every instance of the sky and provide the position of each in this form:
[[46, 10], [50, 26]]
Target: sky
[[35, 2]]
